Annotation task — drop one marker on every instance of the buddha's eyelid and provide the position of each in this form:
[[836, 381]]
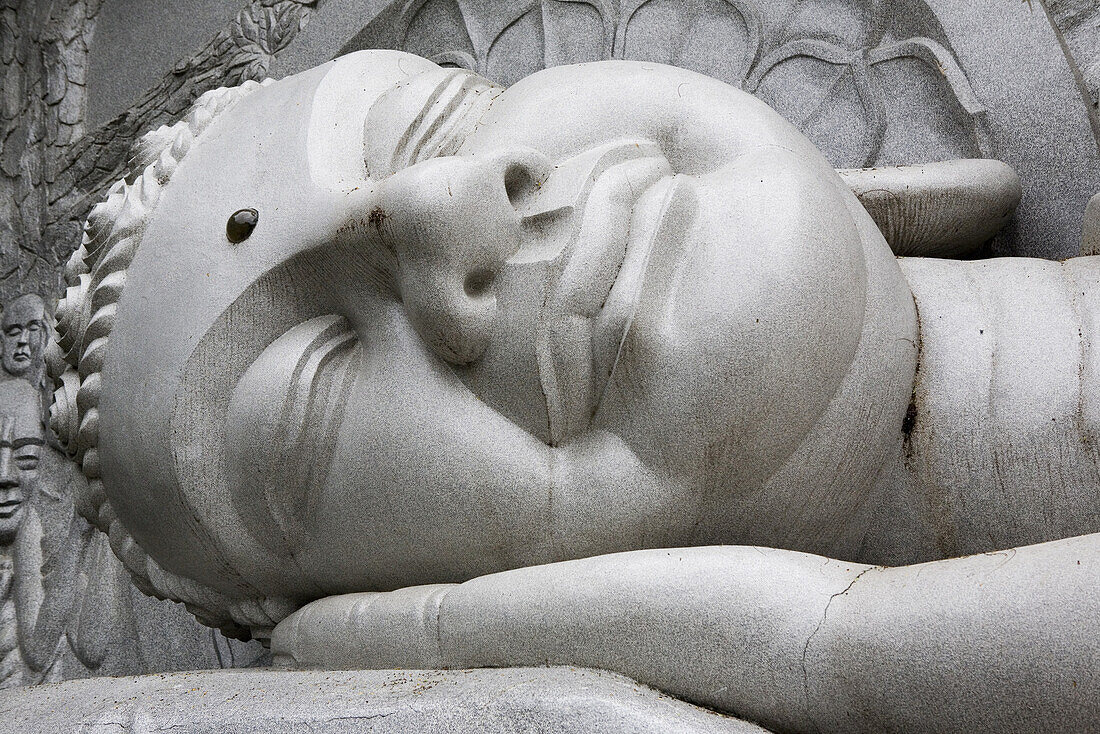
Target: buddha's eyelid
[[21, 442]]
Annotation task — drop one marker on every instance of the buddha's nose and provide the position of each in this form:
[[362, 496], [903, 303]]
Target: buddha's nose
[[453, 222], [9, 472]]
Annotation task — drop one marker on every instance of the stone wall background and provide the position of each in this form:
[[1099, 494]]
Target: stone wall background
[[44, 50], [53, 169]]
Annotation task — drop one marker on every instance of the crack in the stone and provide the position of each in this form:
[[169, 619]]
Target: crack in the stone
[[810, 639]]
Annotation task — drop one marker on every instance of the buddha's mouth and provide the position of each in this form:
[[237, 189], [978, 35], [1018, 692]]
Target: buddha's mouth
[[585, 248]]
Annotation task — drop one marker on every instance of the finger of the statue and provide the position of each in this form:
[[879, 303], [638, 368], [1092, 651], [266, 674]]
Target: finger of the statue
[[6, 576], [944, 209], [7, 468], [39, 621], [398, 629], [638, 613]]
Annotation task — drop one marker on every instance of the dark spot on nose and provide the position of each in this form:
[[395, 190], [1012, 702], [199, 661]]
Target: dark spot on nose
[[241, 224]]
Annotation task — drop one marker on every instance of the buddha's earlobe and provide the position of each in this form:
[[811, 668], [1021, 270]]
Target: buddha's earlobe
[[945, 209]]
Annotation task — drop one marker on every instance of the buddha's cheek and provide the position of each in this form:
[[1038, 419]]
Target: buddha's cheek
[[746, 326], [427, 484]]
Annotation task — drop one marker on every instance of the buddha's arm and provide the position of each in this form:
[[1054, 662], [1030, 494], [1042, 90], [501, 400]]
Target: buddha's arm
[[796, 642]]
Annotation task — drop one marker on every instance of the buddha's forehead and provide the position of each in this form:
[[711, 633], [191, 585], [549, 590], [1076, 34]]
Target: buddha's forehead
[[340, 136], [20, 410], [24, 310]]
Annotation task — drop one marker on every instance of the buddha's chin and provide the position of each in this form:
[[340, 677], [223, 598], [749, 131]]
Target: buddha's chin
[[9, 526], [18, 365]]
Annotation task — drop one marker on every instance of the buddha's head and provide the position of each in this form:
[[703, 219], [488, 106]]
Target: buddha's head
[[21, 445], [23, 336], [384, 323]]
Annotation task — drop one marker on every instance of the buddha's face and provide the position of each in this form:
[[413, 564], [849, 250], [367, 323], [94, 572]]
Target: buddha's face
[[22, 335], [21, 444], [492, 336]]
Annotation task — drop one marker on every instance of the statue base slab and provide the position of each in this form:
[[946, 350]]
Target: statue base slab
[[260, 700]]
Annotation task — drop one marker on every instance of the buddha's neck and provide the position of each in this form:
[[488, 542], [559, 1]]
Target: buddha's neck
[[1002, 438]]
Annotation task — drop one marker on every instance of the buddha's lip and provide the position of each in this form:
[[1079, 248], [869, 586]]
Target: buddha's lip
[[582, 325], [648, 227]]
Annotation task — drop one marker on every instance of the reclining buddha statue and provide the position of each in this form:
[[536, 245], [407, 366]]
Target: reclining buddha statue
[[395, 368]]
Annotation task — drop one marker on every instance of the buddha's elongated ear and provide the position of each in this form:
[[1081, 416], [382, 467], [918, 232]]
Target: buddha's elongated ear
[[946, 209]]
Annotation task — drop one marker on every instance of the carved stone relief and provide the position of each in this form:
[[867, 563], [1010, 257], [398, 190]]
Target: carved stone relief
[[868, 83], [1079, 22], [51, 172], [67, 607], [323, 375], [24, 332]]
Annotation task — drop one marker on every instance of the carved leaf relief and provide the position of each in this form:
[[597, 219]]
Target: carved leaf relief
[[833, 68], [518, 50], [866, 107], [576, 31], [436, 30], [719, 38]]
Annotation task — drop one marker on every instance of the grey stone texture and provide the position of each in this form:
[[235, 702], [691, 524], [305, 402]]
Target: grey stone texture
[[1037, 119], [1079, 23], [137, 43], [43, 52], [536, 701], [638, 386], [268, 424], [1090, 239], [54, 167]]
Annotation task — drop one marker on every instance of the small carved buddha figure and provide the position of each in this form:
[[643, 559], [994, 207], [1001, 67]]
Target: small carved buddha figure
[[23, 337], [58, 579], [437, 332], [21, 543], [17, 455]]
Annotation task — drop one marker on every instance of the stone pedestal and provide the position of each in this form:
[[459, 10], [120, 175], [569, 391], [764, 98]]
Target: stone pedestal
[[545, 700]]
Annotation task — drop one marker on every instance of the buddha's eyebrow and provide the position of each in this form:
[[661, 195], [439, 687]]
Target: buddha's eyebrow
[[21, 442], [451, 111]]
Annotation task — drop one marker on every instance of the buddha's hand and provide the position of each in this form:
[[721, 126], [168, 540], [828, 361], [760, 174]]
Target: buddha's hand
[[728, 627]]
